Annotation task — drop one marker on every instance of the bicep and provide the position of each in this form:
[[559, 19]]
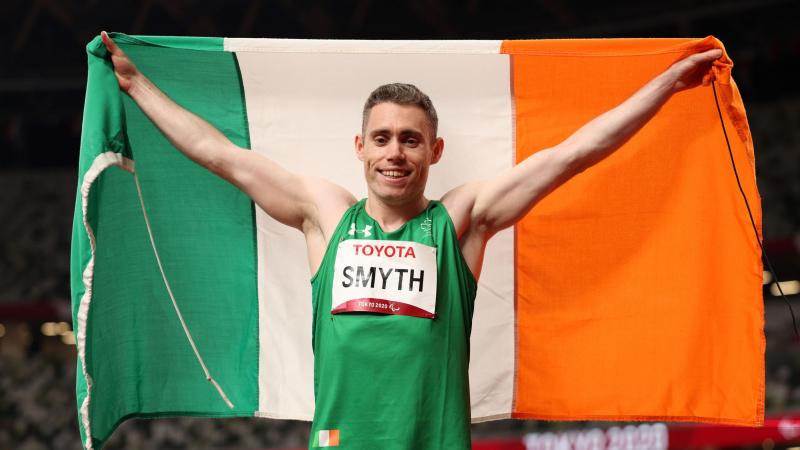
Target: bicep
[[506, 198], [285, 196]]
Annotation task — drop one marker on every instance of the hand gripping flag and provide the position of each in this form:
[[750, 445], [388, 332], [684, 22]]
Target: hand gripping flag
[[632, 292]]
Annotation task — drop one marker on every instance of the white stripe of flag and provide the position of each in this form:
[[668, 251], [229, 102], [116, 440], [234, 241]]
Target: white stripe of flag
[[289, 95]]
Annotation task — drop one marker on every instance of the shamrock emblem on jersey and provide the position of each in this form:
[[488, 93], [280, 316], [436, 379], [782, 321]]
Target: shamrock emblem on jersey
[[367, 231], [426, 226]]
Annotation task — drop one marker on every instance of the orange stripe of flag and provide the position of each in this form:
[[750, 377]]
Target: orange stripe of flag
[[639, 280]]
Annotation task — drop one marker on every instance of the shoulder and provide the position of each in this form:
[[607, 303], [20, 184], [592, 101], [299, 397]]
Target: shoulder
[[459, 203], [329, 203], [472, 235]]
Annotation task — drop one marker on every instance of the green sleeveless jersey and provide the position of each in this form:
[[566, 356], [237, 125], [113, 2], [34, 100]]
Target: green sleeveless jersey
[[390, 366]]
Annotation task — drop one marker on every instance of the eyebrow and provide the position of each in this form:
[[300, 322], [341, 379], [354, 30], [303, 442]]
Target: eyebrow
[[404, 132]]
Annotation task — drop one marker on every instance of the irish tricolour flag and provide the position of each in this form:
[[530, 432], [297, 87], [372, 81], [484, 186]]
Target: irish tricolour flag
[[632, 292], [326, 438]]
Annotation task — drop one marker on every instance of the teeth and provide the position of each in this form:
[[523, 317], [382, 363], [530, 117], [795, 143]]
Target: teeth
[[393, 173]]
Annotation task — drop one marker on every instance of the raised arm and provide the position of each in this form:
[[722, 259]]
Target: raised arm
[[500, 202], [292, 199], [482, 208]]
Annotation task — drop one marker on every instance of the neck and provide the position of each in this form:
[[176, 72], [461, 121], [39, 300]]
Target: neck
[[391, 217]]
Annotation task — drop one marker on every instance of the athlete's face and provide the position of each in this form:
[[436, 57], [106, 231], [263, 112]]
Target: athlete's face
[[397, 149]]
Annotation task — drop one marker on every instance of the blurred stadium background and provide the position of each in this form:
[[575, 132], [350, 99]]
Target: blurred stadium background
[[42, 81]]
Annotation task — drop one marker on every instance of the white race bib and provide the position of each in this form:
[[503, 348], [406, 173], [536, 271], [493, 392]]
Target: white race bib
[[386, 277]]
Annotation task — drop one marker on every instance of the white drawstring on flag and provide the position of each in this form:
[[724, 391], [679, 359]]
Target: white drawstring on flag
[[172, 297]]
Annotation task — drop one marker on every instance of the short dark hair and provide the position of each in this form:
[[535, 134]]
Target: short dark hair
[[401, 94]]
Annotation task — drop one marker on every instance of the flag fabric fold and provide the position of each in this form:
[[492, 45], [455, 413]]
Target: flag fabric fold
[[632, 292]]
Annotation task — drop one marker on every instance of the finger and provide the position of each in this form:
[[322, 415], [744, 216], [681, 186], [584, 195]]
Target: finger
[[709, 55], [111, 46]]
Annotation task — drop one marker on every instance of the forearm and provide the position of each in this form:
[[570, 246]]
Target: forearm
[[501, 201], [607, 132], [190, 134], [511, 195]]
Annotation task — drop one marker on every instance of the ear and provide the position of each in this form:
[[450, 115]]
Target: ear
[[438, 149], [359, 143]]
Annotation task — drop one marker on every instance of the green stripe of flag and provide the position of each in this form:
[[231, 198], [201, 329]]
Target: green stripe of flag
[[137, 354]]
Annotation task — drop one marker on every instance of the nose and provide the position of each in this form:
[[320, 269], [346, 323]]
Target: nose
[[395, 151]]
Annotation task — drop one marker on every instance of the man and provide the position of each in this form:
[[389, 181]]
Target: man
[[394, 275]]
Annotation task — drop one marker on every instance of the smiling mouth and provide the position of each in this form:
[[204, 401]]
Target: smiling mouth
[[394, 174]]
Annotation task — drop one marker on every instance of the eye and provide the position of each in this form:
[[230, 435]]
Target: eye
[[380, 140], [412, 142]]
